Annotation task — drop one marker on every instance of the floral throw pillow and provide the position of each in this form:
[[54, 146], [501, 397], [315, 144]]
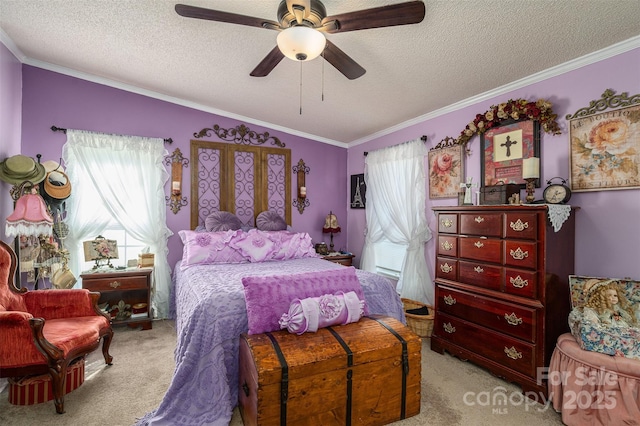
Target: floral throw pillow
[[291, 245], [254, 245], [202, 248]]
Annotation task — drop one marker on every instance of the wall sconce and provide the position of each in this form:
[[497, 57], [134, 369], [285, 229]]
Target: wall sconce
[[301, 202], [177, 162]]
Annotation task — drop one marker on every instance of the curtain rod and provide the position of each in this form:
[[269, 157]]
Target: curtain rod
[[423, 138], [60, 129]]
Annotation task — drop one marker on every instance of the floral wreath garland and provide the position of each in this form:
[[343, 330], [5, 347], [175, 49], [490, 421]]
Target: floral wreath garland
[[518, 109]]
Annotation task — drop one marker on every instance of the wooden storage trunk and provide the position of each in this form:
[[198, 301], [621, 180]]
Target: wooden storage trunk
[[498, 194], [364, 373]]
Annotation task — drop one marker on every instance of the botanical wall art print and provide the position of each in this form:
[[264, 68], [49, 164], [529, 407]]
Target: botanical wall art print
[[605, 145], [503, 149], [445, 170]]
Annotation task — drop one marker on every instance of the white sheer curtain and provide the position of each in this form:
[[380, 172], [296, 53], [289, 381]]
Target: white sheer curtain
[[395, 211], [119, 178]]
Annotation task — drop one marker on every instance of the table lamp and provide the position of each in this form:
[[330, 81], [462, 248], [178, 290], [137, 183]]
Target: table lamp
[[331, 227]]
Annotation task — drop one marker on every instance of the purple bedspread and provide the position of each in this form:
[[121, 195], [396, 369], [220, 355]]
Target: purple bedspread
[[210, 315]]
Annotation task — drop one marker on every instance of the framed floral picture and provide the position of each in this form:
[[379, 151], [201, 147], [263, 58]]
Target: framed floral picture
[[504, 148], [605, 145], [445, 170]]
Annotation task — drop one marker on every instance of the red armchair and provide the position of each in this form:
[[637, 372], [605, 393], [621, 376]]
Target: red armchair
[[44, 331]]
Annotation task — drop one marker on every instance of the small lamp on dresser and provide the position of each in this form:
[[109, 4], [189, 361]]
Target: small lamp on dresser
[[331, 227], [530, 173]]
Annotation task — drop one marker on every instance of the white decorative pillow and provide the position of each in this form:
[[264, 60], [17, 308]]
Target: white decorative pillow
[[312, 313]]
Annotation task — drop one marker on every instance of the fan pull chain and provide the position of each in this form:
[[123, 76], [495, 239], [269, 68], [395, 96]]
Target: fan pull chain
[[300, 87], [323, 77]]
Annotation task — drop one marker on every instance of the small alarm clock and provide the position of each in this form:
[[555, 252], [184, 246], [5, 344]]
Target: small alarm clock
[[556, 193]]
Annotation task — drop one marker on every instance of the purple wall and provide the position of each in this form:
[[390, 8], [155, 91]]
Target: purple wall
[[50, 99], [10, 118], [608, 233]]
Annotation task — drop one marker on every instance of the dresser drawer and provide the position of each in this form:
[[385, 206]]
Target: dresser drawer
[[447, 246], [447, 268], [115, 283], [521, 282], [521, 254], [515, 320], [485, 224], [483, 249], [481, 275], [447, 223], [521, 226], [504, 350]]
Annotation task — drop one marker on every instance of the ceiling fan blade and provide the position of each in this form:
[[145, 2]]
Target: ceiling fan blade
[[385, 16], [267, 65], [342, 62], [219, 16]]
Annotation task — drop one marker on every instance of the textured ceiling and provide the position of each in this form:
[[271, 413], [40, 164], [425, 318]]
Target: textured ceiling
[[460, 50]]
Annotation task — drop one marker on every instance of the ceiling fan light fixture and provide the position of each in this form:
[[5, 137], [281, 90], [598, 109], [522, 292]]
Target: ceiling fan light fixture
[[301, 43]]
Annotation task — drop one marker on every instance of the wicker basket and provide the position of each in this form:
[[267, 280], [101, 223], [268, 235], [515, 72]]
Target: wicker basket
[[422, 325]]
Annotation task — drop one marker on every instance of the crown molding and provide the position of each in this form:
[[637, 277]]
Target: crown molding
[[591, 58]]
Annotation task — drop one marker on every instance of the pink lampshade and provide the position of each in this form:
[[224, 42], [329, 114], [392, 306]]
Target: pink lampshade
[[30, 217]]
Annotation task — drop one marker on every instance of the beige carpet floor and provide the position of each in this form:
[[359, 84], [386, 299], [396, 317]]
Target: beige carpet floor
[[453, 392]]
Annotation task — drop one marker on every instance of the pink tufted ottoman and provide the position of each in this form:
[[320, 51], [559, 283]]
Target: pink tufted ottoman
[[591, 388]]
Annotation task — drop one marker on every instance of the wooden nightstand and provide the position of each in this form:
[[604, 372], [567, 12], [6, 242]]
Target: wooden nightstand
[[343, 259], [132, 286]]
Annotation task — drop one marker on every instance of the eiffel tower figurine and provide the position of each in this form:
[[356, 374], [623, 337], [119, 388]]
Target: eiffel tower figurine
[[357, 197]]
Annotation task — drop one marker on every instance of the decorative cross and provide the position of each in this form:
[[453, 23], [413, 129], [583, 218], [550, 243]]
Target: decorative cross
[[508, 144], [467, 190]]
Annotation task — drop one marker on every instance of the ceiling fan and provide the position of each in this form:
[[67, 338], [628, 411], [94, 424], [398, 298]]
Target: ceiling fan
[[308, 19]]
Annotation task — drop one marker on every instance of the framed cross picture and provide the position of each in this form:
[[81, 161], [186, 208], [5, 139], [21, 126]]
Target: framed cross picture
[[503, 150]]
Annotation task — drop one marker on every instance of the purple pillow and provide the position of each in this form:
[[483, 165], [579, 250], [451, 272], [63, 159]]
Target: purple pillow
[[202, 248], [291, 245], [222, 221], [270, 221], [269, 297], [254, 245]]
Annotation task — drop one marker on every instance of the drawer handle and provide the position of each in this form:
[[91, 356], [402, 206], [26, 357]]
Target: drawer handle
[[478, 269], [449, 300], [512, 353], [447, 245], [449, 328], [446, 268], [479, 219], [519, 225], [519, 254], [518, 282], [513, 319], [115, 284], [446, 223], [478, 244]]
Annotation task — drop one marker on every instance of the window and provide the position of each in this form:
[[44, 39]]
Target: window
[[389, 258]]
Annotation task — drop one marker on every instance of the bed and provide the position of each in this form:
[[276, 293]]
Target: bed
[[210, 312]]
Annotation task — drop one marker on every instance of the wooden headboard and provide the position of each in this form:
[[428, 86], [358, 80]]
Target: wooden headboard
[[245, 180]]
